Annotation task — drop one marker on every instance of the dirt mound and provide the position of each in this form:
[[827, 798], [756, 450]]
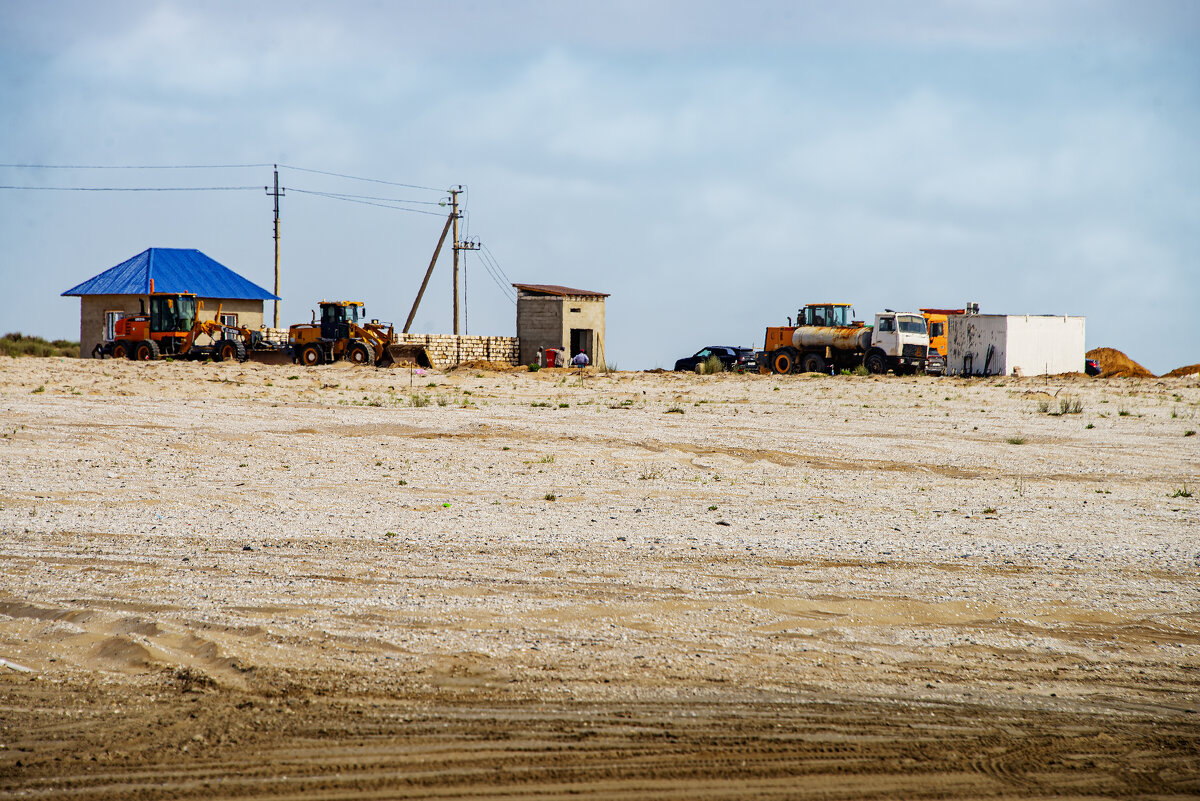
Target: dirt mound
[[1180, 372], [1115, 364], [495, 367]]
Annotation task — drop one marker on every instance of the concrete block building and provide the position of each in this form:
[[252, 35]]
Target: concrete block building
[[123, 289], [1004, 344], [559, 317]]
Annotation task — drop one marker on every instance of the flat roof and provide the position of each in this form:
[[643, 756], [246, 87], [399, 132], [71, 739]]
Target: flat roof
[[555, 289]]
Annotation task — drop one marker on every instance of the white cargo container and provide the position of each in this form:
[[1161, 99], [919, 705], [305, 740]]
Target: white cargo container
[[1007, 344]]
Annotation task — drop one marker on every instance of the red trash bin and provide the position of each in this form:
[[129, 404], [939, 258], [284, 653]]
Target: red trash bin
[[551, 355]]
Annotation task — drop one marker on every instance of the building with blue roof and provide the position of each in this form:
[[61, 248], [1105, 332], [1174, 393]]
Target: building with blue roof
[[123, 289]]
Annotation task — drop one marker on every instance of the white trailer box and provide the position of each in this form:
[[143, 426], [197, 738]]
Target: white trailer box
[[1008, 344]]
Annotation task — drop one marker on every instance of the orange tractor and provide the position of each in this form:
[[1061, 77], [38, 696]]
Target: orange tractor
[[171, 328]]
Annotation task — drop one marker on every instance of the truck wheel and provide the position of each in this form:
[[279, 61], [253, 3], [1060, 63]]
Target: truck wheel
[[813, 363], [782, 362], [145, 351], [229, 350], [120, 350], [875, 363], [360, 353], [312, 354]]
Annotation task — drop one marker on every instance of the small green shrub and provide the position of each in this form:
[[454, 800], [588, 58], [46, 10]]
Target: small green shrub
[[1015, 440], [550, 496], [418, 400], [674, 410], [1182, 492], [534, 367], [1071, 404]]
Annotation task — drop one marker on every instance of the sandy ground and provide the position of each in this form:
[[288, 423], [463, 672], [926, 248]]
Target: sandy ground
[[223, 580]]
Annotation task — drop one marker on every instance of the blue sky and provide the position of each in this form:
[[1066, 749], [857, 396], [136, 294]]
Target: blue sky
[[713, 165]]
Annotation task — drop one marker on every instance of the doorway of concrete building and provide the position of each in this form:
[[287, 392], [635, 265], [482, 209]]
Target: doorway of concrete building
[[582, 339]]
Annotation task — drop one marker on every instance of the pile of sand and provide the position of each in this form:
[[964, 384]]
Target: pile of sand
[[1180, 372], [1115, 364]]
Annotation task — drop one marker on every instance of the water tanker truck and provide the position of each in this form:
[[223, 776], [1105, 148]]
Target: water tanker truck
[[826, 337]]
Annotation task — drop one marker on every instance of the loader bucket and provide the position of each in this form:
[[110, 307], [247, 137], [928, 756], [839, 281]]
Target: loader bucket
[[405, 356], [270, 357]]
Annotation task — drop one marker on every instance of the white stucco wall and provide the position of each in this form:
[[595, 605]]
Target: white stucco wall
[[1044, 345], [1032, 344]]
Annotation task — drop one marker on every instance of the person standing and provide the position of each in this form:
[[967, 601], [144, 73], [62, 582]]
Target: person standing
[[580, 360]]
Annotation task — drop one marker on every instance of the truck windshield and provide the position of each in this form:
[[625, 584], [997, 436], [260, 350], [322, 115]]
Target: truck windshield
[[912, 325]]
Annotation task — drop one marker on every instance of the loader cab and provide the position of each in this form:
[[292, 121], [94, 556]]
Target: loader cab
[[826, 314], [172, 314], [336, 318]]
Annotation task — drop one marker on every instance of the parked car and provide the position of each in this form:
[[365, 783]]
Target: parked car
[[734, 359]]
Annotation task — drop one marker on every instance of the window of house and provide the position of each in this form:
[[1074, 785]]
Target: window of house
[[110, 324], [576, 309], [229, 320]]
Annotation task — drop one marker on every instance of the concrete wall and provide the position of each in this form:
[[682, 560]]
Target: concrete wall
[[92, 309], [539, 324], [1029, 344], [546, 321], [446, 350]]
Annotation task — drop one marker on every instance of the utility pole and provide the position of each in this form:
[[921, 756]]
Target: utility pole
[[458, 245], [277, 194]]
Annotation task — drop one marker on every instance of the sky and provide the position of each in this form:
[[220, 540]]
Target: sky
[[712, 165]]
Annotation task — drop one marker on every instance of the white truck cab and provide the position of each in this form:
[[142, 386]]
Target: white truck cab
[[899, 342]]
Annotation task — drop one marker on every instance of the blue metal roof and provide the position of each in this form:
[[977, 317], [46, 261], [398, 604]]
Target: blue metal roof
[[173, 270]]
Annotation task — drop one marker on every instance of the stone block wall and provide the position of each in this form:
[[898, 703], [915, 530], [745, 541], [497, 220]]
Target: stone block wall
[[446, 350]]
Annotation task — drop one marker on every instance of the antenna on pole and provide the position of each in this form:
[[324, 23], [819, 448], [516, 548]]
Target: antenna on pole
[[278, 193]]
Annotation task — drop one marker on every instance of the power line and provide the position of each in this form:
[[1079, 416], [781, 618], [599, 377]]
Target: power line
[[350, 199], [135, 166], [132, 188], [505, 289], [344, 196], [497, 263], [212, 167], [358, 178]]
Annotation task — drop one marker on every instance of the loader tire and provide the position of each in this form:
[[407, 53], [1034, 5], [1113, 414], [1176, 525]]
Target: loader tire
[[229, 350], [120, 350], [812, 363], [311, 355], [875, 363], [360, 353], [783, 361]]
